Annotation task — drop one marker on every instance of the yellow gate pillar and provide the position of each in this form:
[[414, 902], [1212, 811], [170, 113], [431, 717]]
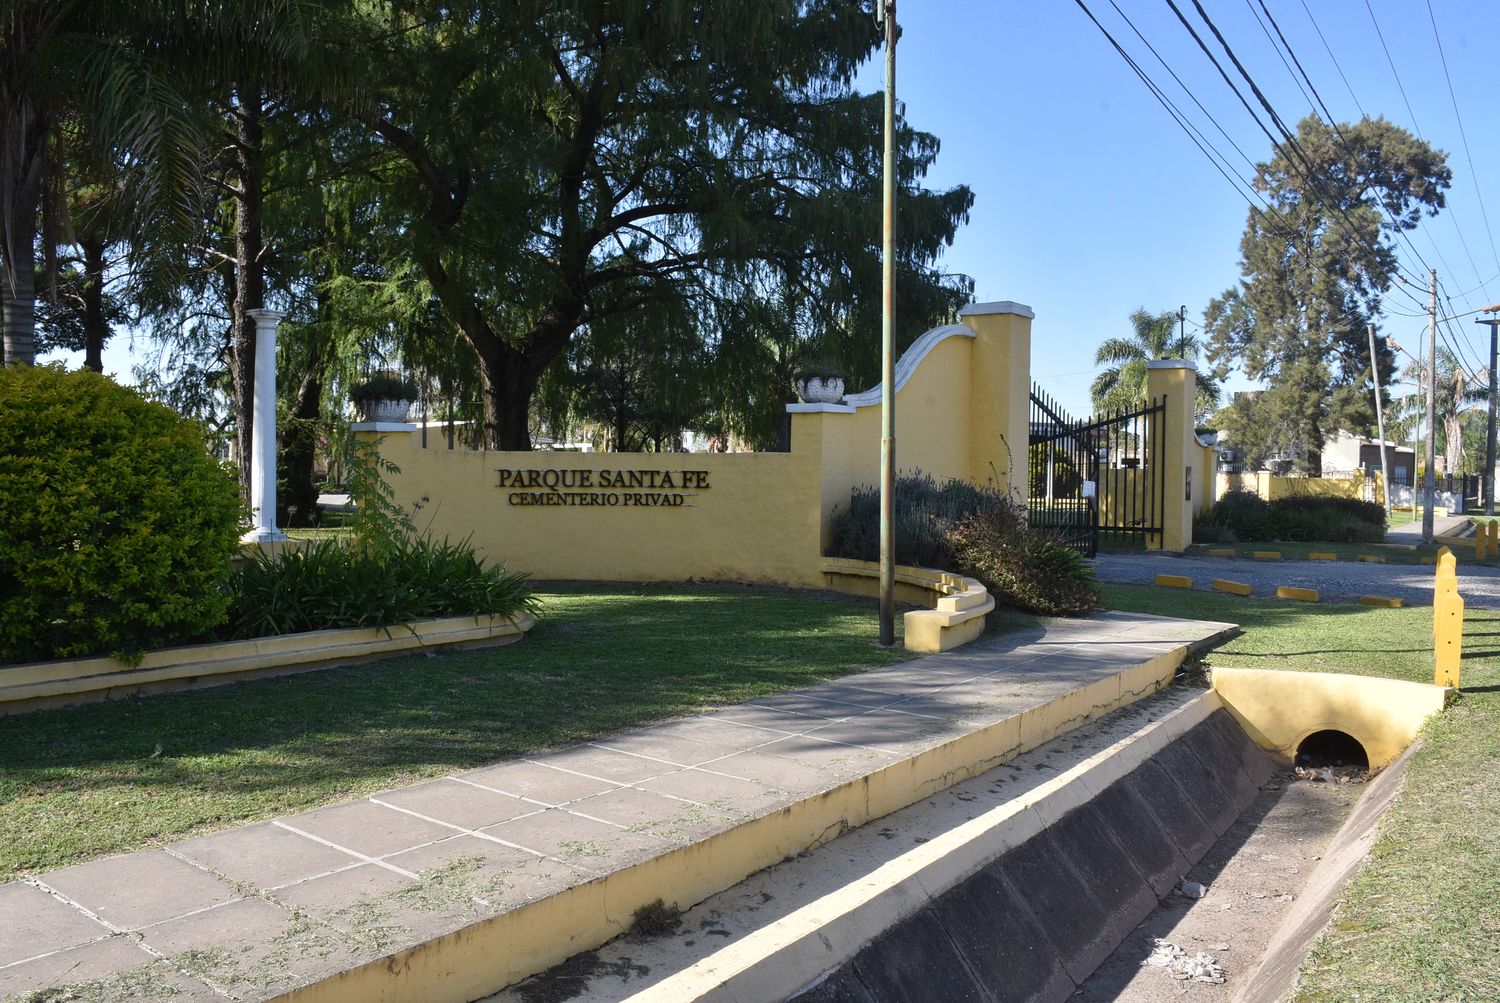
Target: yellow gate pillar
[[1176, 381], [1000, 402]]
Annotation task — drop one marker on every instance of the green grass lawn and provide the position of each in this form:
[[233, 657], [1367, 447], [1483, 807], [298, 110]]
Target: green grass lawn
[[104, 778], [1421, 920]]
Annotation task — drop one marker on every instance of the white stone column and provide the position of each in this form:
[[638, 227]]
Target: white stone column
[[263, 431]]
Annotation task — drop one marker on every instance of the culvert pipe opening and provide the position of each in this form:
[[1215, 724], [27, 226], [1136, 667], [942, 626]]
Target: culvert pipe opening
[[1332, 748]]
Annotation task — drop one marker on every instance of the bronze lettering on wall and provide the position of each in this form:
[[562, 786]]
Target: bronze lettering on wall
[[608, 488]]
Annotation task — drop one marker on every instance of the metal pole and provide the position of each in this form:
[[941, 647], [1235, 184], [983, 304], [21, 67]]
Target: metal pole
[[1489, 431], [1385, 473], [1429, 481], [887, 10]]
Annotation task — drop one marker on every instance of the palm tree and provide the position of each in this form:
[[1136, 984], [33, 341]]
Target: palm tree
[[1123, 383], [121, 71], [1455, 395]]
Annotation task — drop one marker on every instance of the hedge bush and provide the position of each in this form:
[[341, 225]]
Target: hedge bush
[[1245, 516], [1026, 568], [975, 531], [387, 573], [116, 526], [927, 512], [337, 584]]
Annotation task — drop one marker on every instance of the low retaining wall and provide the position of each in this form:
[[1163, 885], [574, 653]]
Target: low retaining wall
[[48, 684], [959, 604]]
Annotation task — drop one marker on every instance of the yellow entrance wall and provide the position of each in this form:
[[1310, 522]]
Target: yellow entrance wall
[[961, 400], [756, 521]]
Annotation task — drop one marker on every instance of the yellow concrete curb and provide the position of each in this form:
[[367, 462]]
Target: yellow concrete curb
[[45, 684], [1372, 558], [1174, 581], [1267, 555], [1385, 601], [1233, 588], [499, 950], [1322, 555], [1221, 553], [1292, 592]]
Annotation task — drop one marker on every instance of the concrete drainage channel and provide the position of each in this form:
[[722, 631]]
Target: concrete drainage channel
[[1060, 874]]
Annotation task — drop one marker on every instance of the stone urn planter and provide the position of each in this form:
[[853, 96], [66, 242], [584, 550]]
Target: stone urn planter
[[383, 409], [820, 389], [385, 396]]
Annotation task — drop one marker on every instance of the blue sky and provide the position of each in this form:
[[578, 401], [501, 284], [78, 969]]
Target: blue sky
[[1092, 202]]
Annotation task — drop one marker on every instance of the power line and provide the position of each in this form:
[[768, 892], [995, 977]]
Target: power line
[[1171, 108], [1327, 48], [1307, 170], [1312, 19], [1462, 134], [1391, 62]]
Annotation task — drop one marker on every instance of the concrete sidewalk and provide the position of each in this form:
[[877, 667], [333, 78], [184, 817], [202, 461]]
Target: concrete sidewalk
[[453, 888], [1411, 532]]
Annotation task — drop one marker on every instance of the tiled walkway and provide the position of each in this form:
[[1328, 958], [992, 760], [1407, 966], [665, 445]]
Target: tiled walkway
[[254, 912]]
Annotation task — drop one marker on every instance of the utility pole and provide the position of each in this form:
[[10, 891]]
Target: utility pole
[[1429, 482], [886, 10], [1489, 432], [1182, 325], [1385, 473]]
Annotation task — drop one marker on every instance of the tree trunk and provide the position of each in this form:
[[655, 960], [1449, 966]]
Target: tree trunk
[[95, 328], [24, 151], [300, 445], [250, 282], [507, 382]]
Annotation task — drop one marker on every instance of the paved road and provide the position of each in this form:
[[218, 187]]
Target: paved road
[[1337, 581]]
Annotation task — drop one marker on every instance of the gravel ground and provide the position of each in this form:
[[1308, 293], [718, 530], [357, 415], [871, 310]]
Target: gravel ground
[[1336, 581]]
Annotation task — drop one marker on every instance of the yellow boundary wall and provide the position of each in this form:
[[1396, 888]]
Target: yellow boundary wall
[[962, 410], [1271, 487]]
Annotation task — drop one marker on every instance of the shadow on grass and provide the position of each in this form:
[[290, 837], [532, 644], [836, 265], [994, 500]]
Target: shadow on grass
[[601, 659]]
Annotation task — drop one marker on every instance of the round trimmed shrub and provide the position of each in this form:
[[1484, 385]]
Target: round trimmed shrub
[[116, 526]]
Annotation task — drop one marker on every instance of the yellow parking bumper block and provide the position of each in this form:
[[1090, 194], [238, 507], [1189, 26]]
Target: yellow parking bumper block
[[1322, 555], [1174, 581], [1386, 601], [1292, 592], [1266, 555], [1233, 588]]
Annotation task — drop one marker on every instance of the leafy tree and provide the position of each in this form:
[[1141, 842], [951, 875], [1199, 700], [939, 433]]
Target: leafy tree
[[1153, 336], [1315, 267], [122, 71], [563, 163]]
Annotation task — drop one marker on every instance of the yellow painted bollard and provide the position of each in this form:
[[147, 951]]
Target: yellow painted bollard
[[1447, 621]]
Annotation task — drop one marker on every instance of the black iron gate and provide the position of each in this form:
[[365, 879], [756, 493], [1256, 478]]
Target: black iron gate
[[1097, 476]]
